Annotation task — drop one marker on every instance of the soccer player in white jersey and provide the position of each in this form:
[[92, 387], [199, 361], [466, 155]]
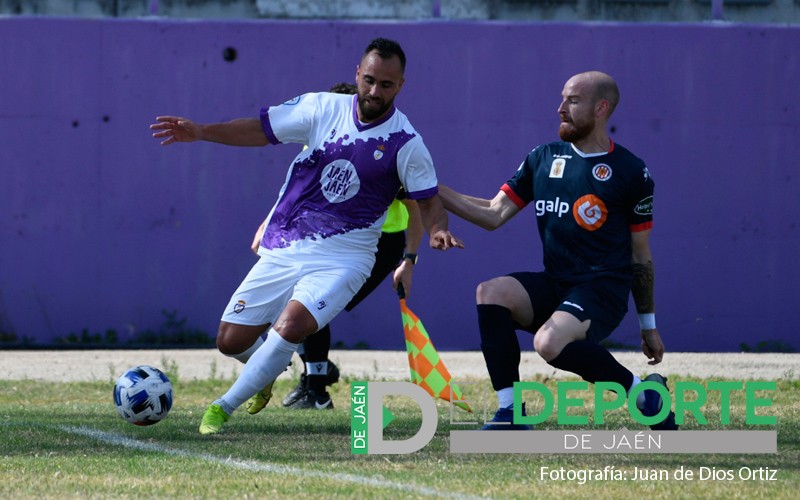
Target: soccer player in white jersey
[[321, 236]]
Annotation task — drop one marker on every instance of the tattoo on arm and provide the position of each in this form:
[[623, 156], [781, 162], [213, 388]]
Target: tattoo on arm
[[643, 287]]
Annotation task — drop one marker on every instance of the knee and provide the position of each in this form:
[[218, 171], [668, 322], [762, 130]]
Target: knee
[[490, 292], [226, 341], [293, 335], [546, 346], [294, 329], [236, 339]]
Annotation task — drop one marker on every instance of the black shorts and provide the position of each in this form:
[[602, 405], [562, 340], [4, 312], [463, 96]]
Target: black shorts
[[603, 300], [390, 251]]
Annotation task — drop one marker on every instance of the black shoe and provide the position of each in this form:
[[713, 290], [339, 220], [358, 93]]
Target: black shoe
[[298, 392], [331, 377], [652, 405], [504, 421], [314, 401]]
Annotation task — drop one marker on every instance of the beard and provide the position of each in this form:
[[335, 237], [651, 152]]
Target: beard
[[372, 108], [574, 132]]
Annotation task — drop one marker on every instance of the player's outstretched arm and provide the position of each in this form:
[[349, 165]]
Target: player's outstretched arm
[[488, 214], [434, 218], [239, 132]]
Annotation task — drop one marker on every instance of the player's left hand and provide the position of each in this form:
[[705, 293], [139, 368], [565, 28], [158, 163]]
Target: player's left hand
[[652, 346], [442, 240]]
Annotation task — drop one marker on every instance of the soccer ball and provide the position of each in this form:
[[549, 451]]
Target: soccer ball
[[143, 395]]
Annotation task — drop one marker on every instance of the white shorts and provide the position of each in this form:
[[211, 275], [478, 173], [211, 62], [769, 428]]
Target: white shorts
[[323, 286]]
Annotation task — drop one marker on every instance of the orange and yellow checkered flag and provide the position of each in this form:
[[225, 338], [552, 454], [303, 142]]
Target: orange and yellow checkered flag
[[427, 369]]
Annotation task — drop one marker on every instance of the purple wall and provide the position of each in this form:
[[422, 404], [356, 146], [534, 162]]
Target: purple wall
[[102, 228]]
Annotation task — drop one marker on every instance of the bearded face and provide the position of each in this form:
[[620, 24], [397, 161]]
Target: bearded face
[[372, 107], [573, 130], [577, 110], [379, 81]]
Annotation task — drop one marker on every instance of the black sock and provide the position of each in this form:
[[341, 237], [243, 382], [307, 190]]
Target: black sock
[[317, 347], [499, 345], [593, 363]]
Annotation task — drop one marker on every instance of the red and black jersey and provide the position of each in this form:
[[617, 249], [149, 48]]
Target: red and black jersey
[[586, 206]]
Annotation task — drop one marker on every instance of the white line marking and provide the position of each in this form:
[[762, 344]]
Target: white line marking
[[120, 440]]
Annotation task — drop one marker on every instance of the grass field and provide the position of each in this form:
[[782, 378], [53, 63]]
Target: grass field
[[65, 440]]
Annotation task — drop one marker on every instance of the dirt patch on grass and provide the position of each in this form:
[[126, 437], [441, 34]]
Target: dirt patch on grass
[[194, 364]]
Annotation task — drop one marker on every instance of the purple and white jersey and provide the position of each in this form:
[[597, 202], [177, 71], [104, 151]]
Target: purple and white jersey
[[337, 191]]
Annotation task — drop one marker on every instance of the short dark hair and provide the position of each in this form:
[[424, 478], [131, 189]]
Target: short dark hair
[[343, 88], [386, 49]]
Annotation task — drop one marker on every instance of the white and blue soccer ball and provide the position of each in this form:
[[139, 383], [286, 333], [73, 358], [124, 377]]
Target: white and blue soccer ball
[[143, 395]]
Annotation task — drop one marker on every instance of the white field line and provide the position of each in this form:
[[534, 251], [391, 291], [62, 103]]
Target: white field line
[[126, 442]]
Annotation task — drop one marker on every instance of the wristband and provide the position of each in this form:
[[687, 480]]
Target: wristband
[[410, 256], [647, 321]]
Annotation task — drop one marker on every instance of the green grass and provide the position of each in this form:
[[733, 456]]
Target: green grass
[[67, 441]]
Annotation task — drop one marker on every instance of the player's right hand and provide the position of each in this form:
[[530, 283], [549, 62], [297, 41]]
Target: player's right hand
[[652, 346], [175, 129]]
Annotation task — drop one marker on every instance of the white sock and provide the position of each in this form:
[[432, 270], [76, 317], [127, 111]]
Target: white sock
[[225, 406], [244, 356], [317, 367], [640, 397], [505, 397], [263, 367]]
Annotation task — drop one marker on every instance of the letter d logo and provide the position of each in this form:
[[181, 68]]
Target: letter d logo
[[375, 410]]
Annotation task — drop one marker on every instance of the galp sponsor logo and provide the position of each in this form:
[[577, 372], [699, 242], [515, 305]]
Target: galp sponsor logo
[[551, 206]]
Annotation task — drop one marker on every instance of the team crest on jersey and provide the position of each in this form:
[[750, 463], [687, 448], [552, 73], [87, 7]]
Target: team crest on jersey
[[601, 172], [239, 306], [378, 154], [557, 168], [339, 181], [590, 212]]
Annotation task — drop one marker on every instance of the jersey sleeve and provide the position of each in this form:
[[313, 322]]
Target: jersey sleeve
[[520, 187], [416, 171], [640, 211], [291, 121]]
